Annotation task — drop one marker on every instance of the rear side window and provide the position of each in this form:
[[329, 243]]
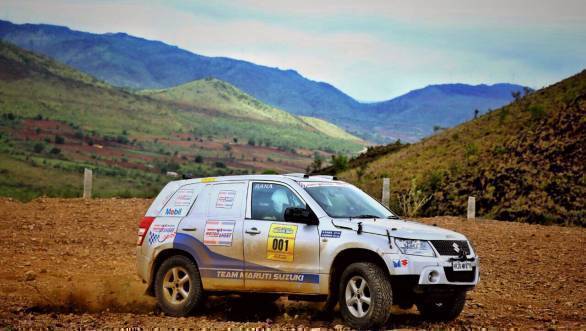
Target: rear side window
[[269, 201], [226, 200], [181, 201]]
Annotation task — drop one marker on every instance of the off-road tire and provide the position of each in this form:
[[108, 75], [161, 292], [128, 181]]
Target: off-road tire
[[442, 308], [195, 295], [381, 295]]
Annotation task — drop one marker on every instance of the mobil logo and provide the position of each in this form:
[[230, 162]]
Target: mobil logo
[[172, 211]]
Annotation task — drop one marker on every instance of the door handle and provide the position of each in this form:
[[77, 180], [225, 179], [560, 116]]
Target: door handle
[[188, 229], [252, 231]]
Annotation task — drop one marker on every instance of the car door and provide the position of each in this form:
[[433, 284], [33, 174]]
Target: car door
[[216, 222], [279, 256]]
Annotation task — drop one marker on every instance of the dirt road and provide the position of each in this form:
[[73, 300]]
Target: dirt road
[[70, 263]]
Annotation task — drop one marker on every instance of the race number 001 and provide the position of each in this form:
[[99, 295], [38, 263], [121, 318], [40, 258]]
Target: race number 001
[[279, 244]]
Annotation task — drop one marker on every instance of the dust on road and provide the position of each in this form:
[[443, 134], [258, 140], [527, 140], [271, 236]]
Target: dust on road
[[71, 263]]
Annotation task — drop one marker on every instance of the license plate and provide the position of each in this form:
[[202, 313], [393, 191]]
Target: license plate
[[462, 266]]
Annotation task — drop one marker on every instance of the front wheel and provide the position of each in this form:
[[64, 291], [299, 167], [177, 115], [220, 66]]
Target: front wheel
[[442, 308], [365, 296], [178, 286]]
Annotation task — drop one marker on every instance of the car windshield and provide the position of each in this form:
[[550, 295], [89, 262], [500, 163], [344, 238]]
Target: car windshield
[[345, 201]]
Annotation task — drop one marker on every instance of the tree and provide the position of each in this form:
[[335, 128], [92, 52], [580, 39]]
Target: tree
[[476, 112], [59, 139], [516, 95], [198, 159], [339, 162]]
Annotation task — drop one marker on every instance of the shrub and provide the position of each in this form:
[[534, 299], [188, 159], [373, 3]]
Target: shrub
[[39, 147], [59, 139], [198, 159], [411, 202], [55, 151], [537, 112], [339, 162], [471, 149]]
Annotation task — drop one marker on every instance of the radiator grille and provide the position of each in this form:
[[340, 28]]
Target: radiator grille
[[448, 247]]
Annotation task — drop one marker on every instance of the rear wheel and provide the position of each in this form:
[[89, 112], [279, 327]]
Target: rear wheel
[[442, 308], [178, 286], [365, 296]]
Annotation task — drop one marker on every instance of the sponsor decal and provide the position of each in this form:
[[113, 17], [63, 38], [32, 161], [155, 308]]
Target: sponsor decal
[[208, 180], [219, 233], [318, 184], [161, 233], [330, 234], [263, 275], [184, 197], [400, 263], [263, 186], [225, 199], [173, 211], [281, 242]]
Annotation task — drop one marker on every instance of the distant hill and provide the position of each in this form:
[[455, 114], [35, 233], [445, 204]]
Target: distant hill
[[415, 114], [57, 120], [124, 60], [525, 161]]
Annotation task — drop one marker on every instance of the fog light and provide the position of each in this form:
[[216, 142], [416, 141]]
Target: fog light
[[433, 277]]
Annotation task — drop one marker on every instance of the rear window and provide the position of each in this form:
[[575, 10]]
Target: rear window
[[181, 201]]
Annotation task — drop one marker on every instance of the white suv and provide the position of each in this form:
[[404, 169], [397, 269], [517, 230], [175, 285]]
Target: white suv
[[308, 237]]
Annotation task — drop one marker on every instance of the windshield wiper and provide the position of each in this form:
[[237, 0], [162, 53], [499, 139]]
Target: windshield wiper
[[365, 216]]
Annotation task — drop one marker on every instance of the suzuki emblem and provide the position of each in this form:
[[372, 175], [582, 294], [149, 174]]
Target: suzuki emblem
[[456, 247]]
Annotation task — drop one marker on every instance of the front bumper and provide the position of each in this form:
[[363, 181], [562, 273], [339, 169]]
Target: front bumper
[[432, 270]]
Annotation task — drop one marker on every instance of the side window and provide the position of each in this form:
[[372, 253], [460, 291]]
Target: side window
[[269, 201], [181, 201], [226, 200]]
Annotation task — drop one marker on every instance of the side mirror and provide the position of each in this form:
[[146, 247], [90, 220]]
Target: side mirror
[[301, 215]]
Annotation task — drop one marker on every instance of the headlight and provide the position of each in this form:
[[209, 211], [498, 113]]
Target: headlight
[[414, 247]]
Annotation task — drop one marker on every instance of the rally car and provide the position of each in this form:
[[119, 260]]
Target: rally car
[[306, 237]]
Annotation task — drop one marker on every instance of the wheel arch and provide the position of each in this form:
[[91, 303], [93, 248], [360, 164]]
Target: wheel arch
[[159, 259], [346, 257]]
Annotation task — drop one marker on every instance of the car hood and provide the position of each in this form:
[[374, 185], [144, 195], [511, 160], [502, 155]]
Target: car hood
[[399, 228]]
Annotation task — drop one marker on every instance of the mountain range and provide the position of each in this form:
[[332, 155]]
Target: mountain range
[[136, 63], [55, 121]]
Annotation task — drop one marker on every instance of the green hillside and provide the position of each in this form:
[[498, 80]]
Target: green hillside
[[55, 121], [329, 128], [213, 95], [525, 161]]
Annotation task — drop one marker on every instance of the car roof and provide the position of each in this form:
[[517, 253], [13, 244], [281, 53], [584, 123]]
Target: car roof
[[297, 177]]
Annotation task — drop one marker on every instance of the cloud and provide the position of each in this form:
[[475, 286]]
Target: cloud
[[372, 50]]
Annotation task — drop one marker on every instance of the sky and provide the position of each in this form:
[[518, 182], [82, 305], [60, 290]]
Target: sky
[[371, 50]]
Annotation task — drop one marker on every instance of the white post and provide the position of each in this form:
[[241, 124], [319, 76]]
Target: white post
[[471, 208], [386, 192], [87, 183]]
